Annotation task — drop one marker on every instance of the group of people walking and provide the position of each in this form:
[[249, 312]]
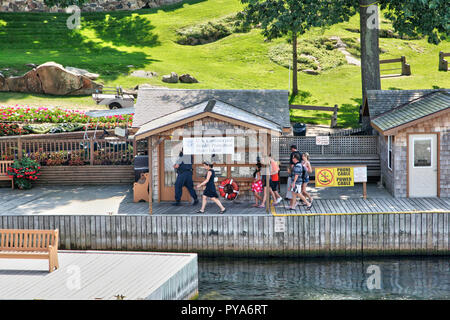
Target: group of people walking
[[299, 170]]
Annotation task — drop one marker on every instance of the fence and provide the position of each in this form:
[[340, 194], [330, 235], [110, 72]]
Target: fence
[[339, 145], [69, 151], [334, 109], [443, 64], [406, 68]]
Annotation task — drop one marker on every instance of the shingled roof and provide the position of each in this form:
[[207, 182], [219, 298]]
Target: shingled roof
[[380, 101], [152, 103], [426, 105]]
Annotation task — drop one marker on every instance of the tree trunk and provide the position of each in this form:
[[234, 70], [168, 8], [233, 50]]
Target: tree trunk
[[294, 65], [370, 59]]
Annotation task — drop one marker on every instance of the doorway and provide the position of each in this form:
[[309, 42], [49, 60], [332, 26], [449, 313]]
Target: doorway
[[423, 165], [169, 151]]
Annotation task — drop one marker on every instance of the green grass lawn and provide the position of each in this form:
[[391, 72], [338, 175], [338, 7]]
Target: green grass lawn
[[115, 44]]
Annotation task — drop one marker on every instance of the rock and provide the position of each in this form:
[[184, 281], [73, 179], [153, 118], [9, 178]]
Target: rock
[[29, 82], [187, 78], [172, 78], [82, 72], [311, 71], [144, 74], [3, 83], [58, 81], [31, 65], [147, 85]]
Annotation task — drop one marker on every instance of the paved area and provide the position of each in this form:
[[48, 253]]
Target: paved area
[[100, 275], [118, 200]]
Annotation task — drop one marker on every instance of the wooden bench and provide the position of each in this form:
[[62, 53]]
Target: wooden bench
[[30, 244], [443, 64], [3, 171]]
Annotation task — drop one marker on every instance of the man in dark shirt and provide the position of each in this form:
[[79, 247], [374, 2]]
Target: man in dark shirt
[[294, 151], [296, 185], [184, 178]]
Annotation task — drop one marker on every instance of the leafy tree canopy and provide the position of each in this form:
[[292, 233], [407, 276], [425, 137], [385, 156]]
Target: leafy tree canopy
[[430, 18], [282, 17]]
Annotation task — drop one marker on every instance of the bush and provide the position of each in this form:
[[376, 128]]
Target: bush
[[318, 54], [11, 129], [210, 31], [24, 172]]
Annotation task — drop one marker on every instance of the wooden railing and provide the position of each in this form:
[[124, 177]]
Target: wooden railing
[[406, 68], [334, 109], [69, 151], [443, 64]]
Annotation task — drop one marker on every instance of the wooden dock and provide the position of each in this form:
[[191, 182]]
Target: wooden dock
[[105, 275], [354, 227]]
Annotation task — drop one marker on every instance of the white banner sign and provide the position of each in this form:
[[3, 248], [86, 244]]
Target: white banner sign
[[360, 174], [322, 140], [208, 145]]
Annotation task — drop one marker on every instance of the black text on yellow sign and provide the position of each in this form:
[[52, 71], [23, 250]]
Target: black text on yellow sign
[[334, 177]]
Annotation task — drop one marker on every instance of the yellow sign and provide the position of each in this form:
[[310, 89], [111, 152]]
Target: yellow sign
[[334, 177]]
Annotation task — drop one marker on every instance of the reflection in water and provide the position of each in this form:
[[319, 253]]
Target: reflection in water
[[400, 278]]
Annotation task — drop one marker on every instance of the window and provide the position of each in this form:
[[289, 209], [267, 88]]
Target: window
[[422, 152], [390, 158]]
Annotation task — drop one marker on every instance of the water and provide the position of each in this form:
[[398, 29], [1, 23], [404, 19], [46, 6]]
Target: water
[[316, 279]]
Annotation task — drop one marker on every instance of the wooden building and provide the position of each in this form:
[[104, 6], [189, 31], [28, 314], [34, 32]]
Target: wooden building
[[414, 140], [246, 120]]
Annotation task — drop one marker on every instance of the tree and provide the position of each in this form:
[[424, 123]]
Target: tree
[[428, 18], [278, 18]]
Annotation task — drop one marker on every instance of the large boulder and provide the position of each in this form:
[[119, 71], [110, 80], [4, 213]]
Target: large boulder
[[3, 83], [29, 82], [187, 78], [58, 81], [83, 72], [170, 78]]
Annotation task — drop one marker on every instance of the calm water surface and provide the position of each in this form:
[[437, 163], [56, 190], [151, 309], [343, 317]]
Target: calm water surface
[[400, 278]]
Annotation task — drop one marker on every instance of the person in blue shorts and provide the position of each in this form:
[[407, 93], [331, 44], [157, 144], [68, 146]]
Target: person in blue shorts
[[297, 182], [210, 188]]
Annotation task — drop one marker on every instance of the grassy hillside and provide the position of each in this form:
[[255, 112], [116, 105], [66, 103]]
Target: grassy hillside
[[115, 44]]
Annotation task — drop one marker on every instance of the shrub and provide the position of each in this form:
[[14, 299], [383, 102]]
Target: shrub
[[24, 172], [317, 54], [210, 31]]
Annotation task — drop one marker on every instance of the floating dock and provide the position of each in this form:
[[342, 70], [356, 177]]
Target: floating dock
[[101, 275]]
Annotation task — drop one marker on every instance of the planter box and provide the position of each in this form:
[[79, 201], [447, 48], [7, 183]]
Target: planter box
[[86, 175]]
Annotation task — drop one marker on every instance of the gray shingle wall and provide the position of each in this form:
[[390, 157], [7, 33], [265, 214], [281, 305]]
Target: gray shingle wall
[[441, 125], [386, 173]]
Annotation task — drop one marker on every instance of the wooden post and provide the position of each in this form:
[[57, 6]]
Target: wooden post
[[134, 148], [406, 68], [91, 150], [268, 147], [19, 149], [334, 116], [150, 171], [365, 190], [443, 64]]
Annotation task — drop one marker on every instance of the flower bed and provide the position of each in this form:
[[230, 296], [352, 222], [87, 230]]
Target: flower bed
[[21, 120]]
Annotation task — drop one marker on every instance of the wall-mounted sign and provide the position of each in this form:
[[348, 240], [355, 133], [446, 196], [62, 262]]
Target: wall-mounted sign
[[280, 224], [360, 174], [322, 140], [208, 145], [334, 177]]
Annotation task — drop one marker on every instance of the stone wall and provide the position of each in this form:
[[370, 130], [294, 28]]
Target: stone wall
[[398, 186], [90, 6]]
